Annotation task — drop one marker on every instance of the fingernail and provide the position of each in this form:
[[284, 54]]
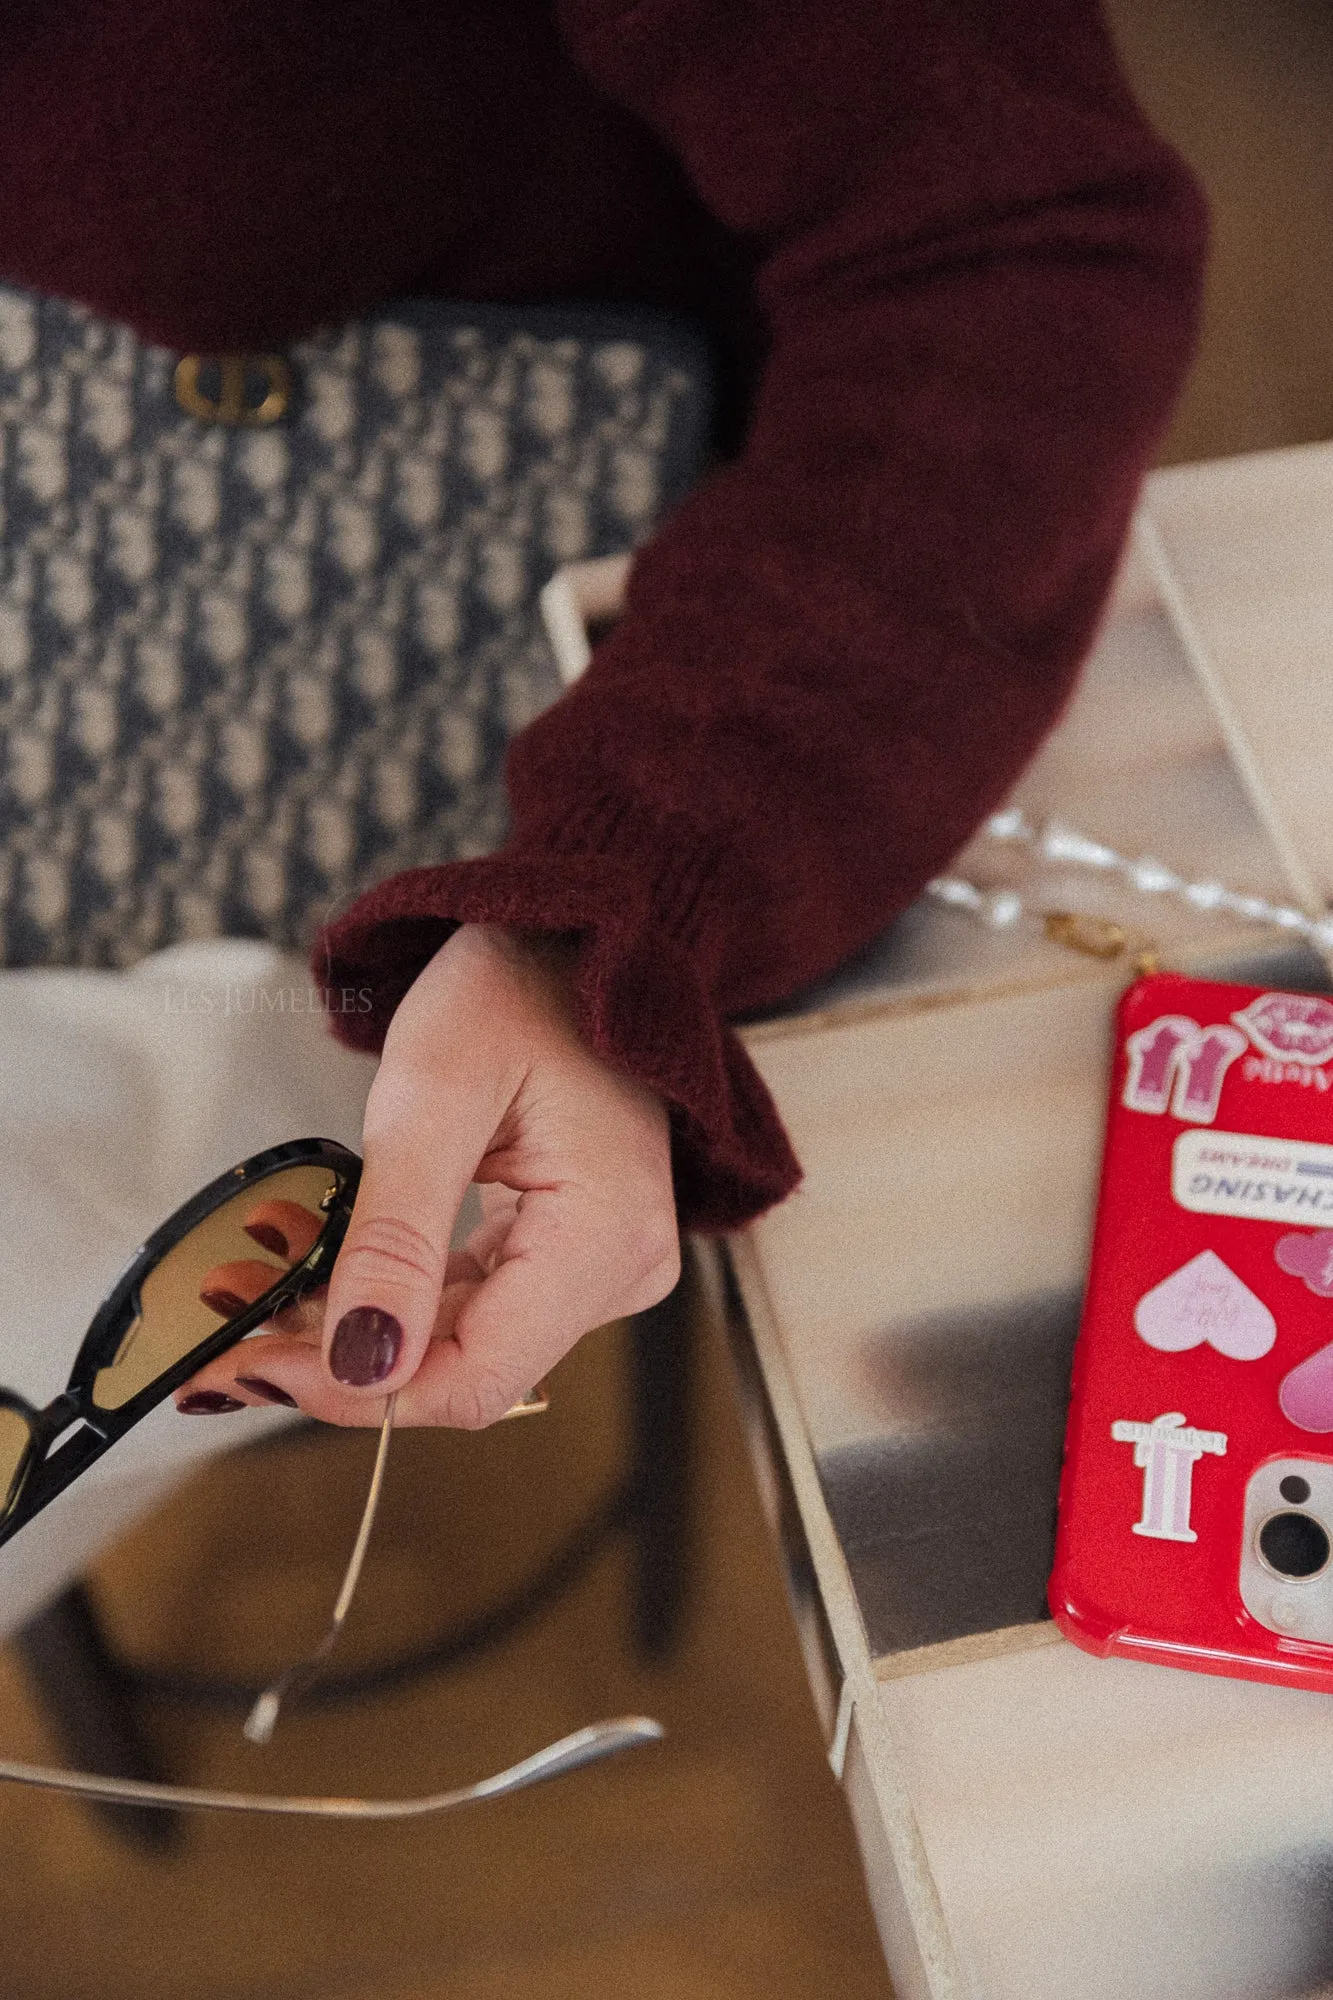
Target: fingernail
[[267, 1237], [366, 1344], [226, 1303], [268, 1390], [208, 1403]]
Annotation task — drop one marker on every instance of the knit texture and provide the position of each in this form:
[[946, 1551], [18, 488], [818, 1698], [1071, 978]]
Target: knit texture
[[965, 276]]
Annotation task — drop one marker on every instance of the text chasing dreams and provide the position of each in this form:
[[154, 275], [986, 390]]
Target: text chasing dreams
[[1284, 1194]]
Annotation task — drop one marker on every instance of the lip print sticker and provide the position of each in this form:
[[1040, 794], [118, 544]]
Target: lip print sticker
[[1306, 1395], [1205, 1302], [1308, 1257], [1294, 1027]]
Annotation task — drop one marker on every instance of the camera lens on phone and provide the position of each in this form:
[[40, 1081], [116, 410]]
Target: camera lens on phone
[[1295, 1489], [1294, 1545]]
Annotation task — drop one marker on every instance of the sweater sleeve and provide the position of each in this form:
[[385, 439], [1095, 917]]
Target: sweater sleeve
[[979, 273]]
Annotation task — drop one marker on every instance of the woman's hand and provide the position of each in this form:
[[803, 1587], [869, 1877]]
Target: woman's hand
[[483, 1078]]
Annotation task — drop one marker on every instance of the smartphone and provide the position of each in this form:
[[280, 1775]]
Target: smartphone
[[1196, 1499]]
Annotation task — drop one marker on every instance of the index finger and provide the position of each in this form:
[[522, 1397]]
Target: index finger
[[421, 1146]]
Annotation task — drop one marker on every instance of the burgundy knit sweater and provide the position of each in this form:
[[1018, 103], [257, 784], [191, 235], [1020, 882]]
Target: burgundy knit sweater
[[964, 276]]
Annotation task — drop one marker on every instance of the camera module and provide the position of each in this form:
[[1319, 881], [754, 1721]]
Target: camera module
[[1286, 1548], [1294, 1545]]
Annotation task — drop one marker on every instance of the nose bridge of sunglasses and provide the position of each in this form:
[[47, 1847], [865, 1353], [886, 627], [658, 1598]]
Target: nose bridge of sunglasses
[[57, 1417], [48, 1428], [64, 1447]]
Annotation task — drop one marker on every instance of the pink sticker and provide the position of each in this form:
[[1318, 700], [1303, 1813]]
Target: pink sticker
[[1306, 1395], [1205, 1302], [1173, 1060], [1154, 1056], [1295, 1027], [1309, 1257]]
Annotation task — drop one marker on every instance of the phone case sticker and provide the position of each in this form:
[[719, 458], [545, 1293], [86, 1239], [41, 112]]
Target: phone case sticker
[[1154, 1055], [1294, 1027], [1253, 1178], [1308, 1257], [1205, 1302], [1173, 1061], [1306, 1395], [1166, 1451]]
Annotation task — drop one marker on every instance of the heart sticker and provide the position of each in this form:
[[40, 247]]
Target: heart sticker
[[1204, 1301], [1308, 1257], [1306, 1395]]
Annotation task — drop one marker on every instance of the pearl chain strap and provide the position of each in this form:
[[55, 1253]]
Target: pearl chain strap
[[1053, 841]]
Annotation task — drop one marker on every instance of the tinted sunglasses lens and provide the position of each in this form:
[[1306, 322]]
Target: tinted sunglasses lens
[[14, 1436], [225, 1263]]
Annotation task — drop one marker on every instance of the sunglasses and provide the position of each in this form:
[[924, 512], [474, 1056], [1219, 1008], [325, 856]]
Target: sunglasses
[[170, 1313]]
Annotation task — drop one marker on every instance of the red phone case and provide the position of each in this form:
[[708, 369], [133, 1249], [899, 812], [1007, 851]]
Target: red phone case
[[1196, 1502]]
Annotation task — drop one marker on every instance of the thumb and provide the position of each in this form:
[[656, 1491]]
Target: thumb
[[384, 1291]]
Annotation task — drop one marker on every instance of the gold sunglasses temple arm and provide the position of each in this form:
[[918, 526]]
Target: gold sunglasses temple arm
[[263, 1717], [584, 1746]]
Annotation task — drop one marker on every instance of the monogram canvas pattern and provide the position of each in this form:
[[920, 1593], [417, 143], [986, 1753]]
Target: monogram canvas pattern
[[244, 672]]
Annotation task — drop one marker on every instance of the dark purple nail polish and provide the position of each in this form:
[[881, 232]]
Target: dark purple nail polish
[[208, 1403], [268, 1390], [267, 1237], [366, 1344], [226, 1303]]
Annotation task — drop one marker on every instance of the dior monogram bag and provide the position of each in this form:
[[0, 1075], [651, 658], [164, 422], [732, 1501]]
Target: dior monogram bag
[[266, 626]]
